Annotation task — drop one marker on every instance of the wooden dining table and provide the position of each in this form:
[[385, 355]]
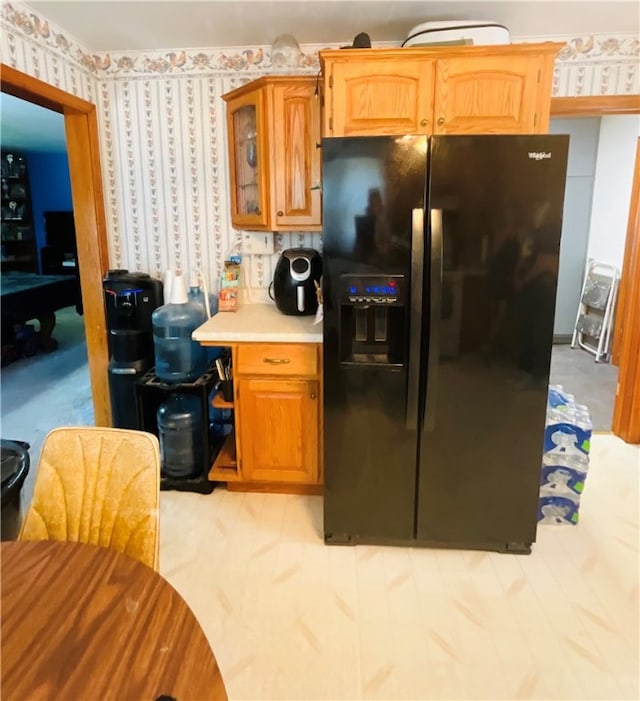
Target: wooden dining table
[[83, 623]]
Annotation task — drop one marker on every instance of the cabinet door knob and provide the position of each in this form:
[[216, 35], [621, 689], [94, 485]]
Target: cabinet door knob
[[313, 396], [440, 121], [280, 213], [424, 122], [276, 361]]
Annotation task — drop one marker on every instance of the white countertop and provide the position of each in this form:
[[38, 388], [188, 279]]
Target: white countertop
[[261, 323]]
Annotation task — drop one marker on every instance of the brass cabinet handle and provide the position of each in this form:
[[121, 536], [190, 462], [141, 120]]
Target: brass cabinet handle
[[313, 396], [424, 122], [280, 213], [276, 361], [440, 121]]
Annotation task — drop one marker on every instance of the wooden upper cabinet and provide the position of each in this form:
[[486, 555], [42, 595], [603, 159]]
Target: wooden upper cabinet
[[379, 96], [295, 155], [438, 90], [246, 132], [487, 95], [273, 127]]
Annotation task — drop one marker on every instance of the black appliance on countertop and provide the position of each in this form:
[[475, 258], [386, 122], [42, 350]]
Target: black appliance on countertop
[[130, 299], [440, 261], [294, 289]]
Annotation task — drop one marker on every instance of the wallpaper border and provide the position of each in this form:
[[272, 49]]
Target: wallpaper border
[[24, 21], [586, 50]]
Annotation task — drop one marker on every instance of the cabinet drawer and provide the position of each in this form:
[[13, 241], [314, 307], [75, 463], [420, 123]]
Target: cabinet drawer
[[277, 359]]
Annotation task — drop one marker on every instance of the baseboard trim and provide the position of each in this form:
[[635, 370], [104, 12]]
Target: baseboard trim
[[562, 338], [275, 488]]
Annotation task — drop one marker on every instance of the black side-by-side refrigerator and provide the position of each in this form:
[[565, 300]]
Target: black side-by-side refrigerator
[[440, 264]]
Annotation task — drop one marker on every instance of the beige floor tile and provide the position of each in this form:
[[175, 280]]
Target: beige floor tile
[[291, 618], [513, 651], [442, 645]]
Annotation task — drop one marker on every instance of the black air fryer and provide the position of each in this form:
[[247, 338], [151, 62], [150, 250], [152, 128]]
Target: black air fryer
[[294, 290], [129, 299]]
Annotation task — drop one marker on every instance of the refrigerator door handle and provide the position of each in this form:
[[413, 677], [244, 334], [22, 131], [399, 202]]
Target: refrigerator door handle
[[435, 312], [415, 316]]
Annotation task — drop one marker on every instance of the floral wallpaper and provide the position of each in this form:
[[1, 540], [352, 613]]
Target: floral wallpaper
[[598, 65], [163, 133], [29, 43], [164, 147]]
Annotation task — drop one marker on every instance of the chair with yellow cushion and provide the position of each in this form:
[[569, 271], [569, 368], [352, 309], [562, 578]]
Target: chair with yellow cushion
[[99, 486]]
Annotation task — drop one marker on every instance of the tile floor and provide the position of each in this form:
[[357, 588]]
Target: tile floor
[[291, 618]]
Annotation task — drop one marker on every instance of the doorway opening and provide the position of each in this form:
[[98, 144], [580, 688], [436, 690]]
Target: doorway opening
[[45, 375], [81, 131], [611, 390], [598, 188]]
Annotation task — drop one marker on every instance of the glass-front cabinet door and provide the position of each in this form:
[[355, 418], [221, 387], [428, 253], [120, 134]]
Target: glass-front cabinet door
[[247, 160], [273, 128]]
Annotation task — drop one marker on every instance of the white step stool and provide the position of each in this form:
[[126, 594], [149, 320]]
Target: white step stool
[[594, 321]]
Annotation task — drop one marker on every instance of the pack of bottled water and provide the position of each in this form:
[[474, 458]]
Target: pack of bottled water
[[565, 461]]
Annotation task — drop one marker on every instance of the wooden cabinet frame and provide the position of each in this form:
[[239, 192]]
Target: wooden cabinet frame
[[230, 464], [438, 90], [288, 140]]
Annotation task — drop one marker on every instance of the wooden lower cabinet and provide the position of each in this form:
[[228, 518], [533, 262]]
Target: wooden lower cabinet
[[276, 444], [278, 429]]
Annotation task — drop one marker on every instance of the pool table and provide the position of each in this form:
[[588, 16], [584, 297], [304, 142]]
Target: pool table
[[27, 296]]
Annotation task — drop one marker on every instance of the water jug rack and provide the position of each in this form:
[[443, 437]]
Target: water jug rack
[[150, 393]]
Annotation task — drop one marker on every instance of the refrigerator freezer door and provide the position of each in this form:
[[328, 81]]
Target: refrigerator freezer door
[[371, 188], [501, 199]]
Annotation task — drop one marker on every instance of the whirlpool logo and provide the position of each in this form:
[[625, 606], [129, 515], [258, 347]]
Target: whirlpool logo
[[539, 155]]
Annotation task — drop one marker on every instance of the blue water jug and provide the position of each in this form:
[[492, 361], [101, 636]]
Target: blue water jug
[[180, 430], [209, 303], [177, 357]]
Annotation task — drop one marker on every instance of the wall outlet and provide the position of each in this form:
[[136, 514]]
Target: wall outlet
[[258, 243]]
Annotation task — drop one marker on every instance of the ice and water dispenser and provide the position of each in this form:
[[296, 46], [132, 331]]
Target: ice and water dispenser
[[372, 319]]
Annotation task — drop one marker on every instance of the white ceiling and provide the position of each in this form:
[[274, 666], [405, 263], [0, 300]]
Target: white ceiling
[[120, 25]]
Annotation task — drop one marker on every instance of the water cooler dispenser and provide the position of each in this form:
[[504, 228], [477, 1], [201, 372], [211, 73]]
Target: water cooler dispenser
[[130, 299]]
